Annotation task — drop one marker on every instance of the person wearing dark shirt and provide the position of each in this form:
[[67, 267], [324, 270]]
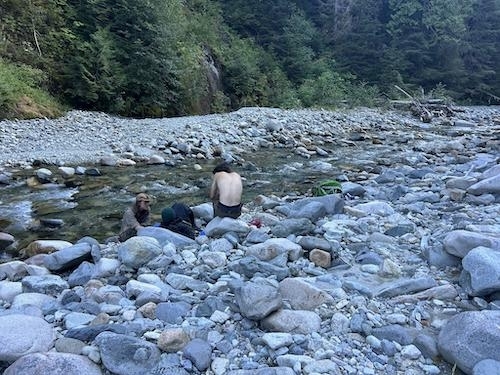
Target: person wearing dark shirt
[[179, 219]]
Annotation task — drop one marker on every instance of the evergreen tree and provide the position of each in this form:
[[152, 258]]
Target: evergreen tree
[[482, 57], [360, 48], [295, 47]]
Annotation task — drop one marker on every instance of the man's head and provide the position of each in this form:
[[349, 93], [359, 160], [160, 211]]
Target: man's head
[[142, 201], [222, 167]]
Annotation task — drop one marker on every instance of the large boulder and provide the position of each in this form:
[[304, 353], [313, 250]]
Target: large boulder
[[23, 334], [470, 337], [137, 251], [53, 364]]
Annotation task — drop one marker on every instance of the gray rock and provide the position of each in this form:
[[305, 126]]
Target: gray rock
[[69, 345], [323, 366], [199, 352], [292, 321], [137, 251], [292, 226], [481, 271], [6, 240], [165, 236], [172, 312], [44, 175], [276, 340], [311, 242], [204, 211], [256, 300], [22, 335], [461, 183], [470, 337], [251, 266], [404, 286], [353, 189], [68, 257], [88, 334], [376, 208], [82, 274], [127, 355], [366, 256], [48, 284], [332, 204], [53, 364], [491, 172], [427, 345], [33, 299], [395, 332], [275, 247], [257, 236], [302, 295], [460, 242], [9, 290], [312, 211], [489, 185], [217, 227], [221, 244], [437, 256], [14, 270], [180, 282], [486, 367]]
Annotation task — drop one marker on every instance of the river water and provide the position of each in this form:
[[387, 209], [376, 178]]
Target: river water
[[93, 205]]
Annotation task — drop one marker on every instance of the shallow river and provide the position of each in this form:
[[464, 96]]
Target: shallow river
[[95, 204]]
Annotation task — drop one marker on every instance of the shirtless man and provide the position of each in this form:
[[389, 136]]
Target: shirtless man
[[226, 192]]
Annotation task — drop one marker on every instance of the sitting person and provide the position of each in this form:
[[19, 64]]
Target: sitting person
[[226, 191], [179, 219], [135, 217]]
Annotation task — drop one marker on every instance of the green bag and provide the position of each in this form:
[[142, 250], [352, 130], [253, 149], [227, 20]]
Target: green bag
[[327, 187]]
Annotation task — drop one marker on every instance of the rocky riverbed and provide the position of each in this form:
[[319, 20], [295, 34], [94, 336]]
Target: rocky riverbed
[[397, 274]]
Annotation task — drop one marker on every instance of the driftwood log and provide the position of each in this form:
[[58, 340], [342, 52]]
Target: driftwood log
[[427, 110]]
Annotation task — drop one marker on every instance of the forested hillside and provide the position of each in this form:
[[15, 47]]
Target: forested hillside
[[147, 58]]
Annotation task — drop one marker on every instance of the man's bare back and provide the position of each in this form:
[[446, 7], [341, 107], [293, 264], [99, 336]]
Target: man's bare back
[[226, 191], [227, 188]]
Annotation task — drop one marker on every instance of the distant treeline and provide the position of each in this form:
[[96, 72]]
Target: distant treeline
[[147, 58]]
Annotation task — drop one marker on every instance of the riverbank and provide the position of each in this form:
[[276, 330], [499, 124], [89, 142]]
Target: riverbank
[[395, 275], [87, 137]]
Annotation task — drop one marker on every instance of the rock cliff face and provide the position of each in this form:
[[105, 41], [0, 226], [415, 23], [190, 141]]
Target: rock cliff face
[[214, 82], [393, 274]]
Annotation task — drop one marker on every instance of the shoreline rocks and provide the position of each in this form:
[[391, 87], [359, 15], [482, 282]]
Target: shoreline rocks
[[403, 289]]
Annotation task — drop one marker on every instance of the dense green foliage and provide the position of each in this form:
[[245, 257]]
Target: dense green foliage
[[22, 94], [177, 57]]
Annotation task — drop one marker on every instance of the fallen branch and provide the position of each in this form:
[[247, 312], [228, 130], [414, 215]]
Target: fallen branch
[[418, 109]]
